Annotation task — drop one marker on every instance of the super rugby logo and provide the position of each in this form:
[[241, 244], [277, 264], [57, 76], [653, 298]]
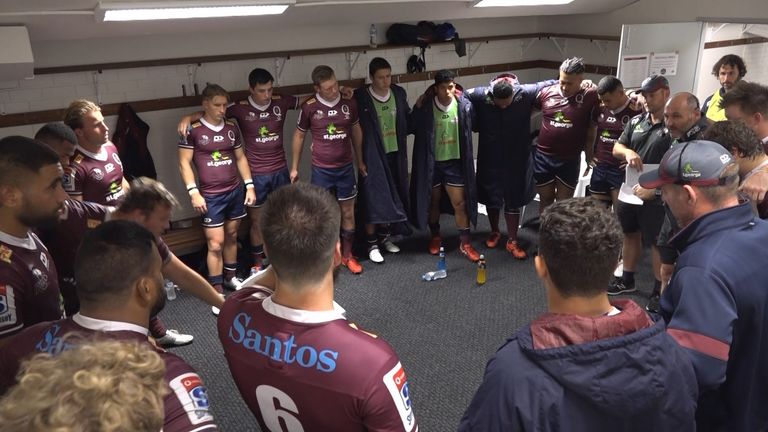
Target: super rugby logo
[[7, 305], [397, 385], [193, 397]]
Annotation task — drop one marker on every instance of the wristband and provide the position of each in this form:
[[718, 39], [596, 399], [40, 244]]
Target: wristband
[[192, 190], [191, 186], [249, 183]]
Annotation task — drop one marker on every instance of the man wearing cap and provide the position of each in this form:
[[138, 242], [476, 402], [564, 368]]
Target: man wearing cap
[[715, 303], [729, 70], [644, 141]]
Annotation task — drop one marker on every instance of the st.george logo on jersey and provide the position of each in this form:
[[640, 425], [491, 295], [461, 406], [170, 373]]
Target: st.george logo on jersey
[[397, 384]]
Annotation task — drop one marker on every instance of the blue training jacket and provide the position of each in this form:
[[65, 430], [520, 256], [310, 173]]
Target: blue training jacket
[[639, 381], [716, 306]]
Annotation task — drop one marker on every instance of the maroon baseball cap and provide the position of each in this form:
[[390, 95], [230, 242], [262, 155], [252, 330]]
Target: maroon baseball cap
[[700, 165], [653, 83]]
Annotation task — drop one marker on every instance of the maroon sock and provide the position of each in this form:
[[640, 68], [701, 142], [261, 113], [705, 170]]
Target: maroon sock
[[157, 328], [464, 235], [513, 221], [230, 271], [347, 238]]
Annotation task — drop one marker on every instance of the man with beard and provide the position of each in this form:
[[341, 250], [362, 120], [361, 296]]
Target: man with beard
[[729, 70], [294, 349], [120, 286], [31, 196]]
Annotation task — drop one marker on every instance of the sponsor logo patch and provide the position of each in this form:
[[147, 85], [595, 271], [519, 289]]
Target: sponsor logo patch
[[397, 384], [7, 305], [193, 396]]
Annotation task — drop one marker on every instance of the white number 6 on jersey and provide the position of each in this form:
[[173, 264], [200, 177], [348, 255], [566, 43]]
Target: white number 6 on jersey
[[274, 405]]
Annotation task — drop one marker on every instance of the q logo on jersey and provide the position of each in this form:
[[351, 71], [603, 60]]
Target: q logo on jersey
[[193, 396]]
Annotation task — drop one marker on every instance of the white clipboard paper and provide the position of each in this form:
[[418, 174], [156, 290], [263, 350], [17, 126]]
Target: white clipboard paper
[[632, 179]]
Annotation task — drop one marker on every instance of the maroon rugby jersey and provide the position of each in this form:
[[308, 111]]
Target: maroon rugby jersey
[[29, 287], [564, 121], [95, 177], [610, 125], [186, 406], [312, 370], [331, 129], [262, 129], [214, 155], [64, 240]]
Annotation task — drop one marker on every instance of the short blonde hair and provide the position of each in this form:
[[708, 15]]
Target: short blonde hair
[[73, 116], [104, 386]]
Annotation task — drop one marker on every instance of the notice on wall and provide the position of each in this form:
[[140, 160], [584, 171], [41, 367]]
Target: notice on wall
[[633, 70], [664, 64]]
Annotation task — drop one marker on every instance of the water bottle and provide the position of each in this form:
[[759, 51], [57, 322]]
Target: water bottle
[[434, 275], [170, 290], [374, 32], [481, 270], [441, 261]]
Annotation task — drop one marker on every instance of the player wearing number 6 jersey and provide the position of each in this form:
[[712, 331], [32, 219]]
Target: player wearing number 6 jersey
[[298, 363]]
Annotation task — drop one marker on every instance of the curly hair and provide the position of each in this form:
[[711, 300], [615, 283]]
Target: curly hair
[[100, 386], [580, 241], [730, 60], [736, 137]]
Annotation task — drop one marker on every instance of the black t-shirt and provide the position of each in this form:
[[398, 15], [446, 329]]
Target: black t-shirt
[[650, 141]]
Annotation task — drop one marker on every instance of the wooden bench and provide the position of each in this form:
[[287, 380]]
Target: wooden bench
[[191, 238]]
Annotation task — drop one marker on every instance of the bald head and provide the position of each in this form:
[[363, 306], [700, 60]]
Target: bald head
[[681, 113]]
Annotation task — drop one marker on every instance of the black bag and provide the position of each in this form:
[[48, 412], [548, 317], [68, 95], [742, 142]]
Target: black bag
[[421, 34]]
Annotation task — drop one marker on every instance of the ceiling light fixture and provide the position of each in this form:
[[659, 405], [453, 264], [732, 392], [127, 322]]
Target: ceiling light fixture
[[504, 3], [189, 9]]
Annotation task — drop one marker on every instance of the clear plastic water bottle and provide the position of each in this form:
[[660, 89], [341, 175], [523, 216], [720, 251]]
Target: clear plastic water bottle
[[481, 275], [374, 32], [170, 290], [434, 275], [441, 261]]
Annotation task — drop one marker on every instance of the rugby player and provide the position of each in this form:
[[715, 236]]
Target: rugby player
[[334, 126], [384, 191], [214, 147], [260, 117], [504, 164], [95, 172], [443, 159], [613, 115], [31, 196], [298, 363], [567, 128], [120, 286]]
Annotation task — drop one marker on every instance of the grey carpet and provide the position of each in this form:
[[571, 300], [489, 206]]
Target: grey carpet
[[444, 331]]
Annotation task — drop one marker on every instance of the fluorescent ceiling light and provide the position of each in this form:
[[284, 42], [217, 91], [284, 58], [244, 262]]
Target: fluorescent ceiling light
[[183, 10], [501, 3]]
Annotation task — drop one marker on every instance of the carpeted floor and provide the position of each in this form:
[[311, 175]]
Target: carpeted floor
[[444, 331]]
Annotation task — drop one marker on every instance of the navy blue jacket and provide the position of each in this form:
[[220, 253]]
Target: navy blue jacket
[[504, 162], [384, 194], [716, 306], [639, 381], [422, 125]]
